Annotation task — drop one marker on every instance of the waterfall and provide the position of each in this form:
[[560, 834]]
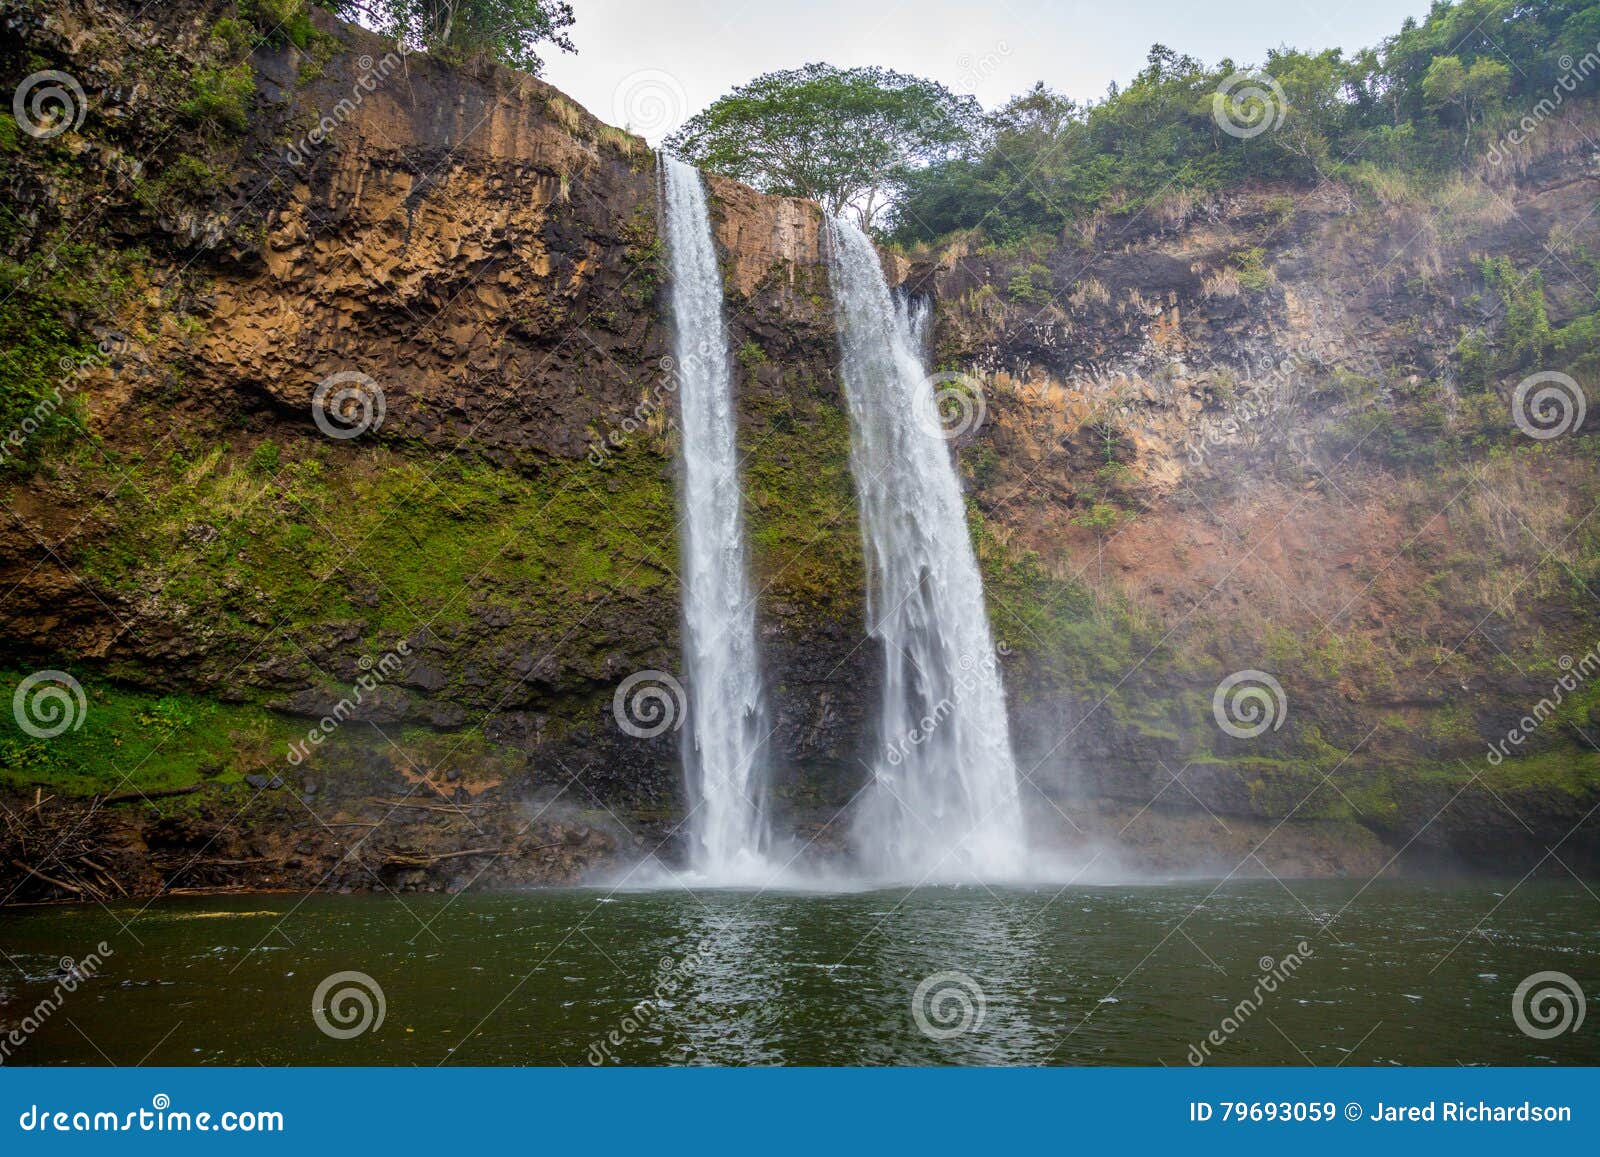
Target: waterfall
[[943, 801], [724, 741]]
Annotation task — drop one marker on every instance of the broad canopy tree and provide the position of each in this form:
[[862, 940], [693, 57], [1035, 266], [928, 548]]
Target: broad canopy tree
[[845, 138], [509, 31]]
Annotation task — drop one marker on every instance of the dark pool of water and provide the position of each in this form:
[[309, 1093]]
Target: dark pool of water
[[1397, 973]]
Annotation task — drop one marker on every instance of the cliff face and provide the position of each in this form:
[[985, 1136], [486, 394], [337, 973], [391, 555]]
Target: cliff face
[[1220, 437]]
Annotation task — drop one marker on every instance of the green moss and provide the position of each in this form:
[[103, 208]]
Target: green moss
[[47, 306], [306, 533], [751, 356], [804, 535], [1031, 285], [220, 96], [130, 740], [279, 21]]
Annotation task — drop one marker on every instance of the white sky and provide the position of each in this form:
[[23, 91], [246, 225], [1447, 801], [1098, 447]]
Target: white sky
[[650, 64]]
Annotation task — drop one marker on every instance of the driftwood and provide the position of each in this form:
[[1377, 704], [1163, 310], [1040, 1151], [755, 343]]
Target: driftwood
[[38, 875], [158, 793], [407, 860], [455, 808]]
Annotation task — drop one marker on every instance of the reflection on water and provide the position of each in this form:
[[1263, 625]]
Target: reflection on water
[[1402, 972]]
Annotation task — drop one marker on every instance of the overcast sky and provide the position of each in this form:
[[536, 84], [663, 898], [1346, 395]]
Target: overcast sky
[[649, 64]]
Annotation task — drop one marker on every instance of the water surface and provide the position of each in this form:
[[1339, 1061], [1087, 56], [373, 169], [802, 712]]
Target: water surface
[[1409, 973]]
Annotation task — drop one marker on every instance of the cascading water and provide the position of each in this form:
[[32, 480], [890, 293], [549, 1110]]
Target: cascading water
[[943, 802], [724, 744]]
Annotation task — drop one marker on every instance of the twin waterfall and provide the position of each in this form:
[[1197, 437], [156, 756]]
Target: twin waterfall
[[943, 801], [724, 751]]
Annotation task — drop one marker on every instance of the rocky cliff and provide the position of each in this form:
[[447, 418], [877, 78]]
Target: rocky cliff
[[367, 418]]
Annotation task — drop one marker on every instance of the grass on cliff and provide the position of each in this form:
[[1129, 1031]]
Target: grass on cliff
[[131, 740], [311, 534]]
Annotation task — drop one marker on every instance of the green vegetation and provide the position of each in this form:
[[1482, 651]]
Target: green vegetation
[[278, 21], [220, 95], [845, 138], [49, 307], [133, 740], [509, 31], [1433, 94]]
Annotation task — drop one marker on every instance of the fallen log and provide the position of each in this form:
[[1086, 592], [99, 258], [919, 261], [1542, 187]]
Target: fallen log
[[158, 793]]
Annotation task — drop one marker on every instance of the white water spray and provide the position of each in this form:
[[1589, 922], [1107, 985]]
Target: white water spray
[[724, 745], [943, 802]]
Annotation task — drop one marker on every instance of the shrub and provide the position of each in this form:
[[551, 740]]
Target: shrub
[[279, 21], [221, 95]]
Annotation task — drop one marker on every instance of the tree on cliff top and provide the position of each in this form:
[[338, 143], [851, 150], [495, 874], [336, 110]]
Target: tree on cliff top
[[509, 31], [842, 137]]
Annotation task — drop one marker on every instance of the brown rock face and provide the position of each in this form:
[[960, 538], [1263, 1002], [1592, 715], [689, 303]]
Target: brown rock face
[[1218, 436]]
